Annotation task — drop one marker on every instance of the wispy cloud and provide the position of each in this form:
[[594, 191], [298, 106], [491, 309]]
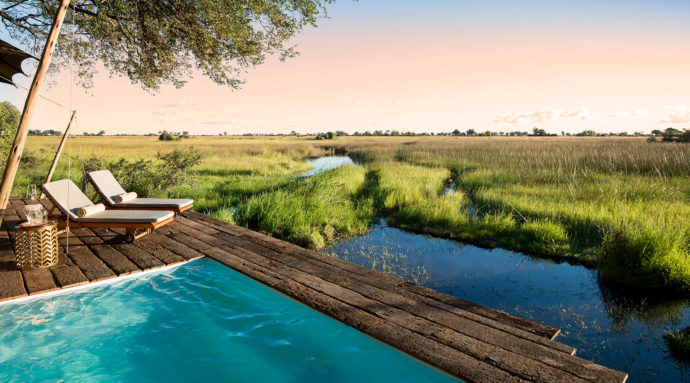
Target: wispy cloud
[[631, 113], [220, 122], [361, 103], [679, 114], [544, 115]]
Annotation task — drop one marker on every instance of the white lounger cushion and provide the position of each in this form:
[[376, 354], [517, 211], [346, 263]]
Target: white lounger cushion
[[156, 202], [108, 187], [128, 216], [66, 196], [68, 199]]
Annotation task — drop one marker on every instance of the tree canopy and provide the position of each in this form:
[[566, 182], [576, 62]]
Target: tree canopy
[[156, 42]]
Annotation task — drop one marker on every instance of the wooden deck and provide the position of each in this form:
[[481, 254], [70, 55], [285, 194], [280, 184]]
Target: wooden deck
[[472, 342]]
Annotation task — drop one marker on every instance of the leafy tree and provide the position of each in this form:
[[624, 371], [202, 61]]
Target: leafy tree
[[587, 133], [471, 132], [9, 121], [685, 137], [671, 135], [158, 42], [166, 136]]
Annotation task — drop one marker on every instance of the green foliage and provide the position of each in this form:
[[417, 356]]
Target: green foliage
[[156, 43], [47, 132], [652, 257], [326, 136], [312, 211], [170, 136], [148, 177], [9, 121], [542, 238], [402, 185]]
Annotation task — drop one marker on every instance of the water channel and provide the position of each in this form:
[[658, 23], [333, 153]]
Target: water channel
[[609, 327]]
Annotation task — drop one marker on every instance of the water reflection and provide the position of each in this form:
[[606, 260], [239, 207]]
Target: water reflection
[[322, 164], [607, 326]]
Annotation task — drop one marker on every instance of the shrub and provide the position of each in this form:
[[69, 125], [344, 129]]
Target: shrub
[[148, 177]]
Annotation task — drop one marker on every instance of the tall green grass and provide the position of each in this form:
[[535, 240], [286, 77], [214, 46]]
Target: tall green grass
[[620, 204], [312, 211]]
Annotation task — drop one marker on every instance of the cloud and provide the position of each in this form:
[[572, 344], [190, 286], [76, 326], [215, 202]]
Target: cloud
[[544, 115], [361, 103], [631, 113], [220, 122], [169, 109], [679, 114], [175, 104]]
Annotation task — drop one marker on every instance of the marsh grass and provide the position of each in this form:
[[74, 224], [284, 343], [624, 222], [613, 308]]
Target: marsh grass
[[679, 343], [313, 211], [620, 204]]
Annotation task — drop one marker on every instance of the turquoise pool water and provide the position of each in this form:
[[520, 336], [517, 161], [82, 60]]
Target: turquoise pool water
[[197, 322]]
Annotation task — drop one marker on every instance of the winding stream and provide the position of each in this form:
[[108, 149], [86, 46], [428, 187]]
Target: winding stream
[[621, 332], [615, 329]]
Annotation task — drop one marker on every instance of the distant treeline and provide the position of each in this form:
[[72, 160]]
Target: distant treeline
[[51, 132], [668, 135]]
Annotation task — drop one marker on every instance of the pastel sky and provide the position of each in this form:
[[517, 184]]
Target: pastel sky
[[427, 66]]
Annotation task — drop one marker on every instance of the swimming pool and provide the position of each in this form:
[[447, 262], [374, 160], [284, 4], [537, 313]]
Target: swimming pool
[[198, 322]]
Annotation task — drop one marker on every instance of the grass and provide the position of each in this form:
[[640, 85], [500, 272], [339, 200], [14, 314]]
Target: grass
[[679, 343], [619, 204]]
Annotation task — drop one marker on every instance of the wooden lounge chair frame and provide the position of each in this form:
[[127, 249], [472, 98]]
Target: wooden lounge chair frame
[[133, 230], [99, 196]]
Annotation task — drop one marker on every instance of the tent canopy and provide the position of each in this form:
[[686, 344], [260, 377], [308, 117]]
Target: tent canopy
[[11, 59]]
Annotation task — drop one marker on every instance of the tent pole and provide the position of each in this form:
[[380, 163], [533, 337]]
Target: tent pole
[[59, 151], [25, 121]]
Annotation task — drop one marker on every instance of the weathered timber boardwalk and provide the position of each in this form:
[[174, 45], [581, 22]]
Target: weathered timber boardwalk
[[472, 342]]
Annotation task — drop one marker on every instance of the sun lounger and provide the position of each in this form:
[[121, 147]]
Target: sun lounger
[[115, 197], [72, 203]]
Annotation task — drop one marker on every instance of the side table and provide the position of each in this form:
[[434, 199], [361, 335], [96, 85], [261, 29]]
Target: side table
[[36, 244]]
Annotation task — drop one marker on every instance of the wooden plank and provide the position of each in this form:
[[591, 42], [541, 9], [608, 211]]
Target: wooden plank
[[90, 265], [11, 280], [39, 281], [415, 344], [174, 246], [68, 275], [461, 330], [116, 261], [11, 285], [139, 257], [158, 251]]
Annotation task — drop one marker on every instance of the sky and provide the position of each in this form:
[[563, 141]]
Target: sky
[[433, 66]]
